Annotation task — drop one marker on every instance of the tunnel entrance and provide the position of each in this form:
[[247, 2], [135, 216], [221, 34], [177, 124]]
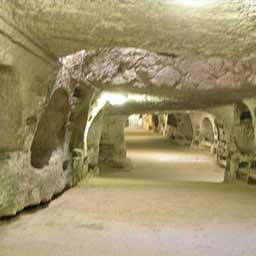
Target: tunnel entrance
[[179, 129], [244, 129], [207, 130]]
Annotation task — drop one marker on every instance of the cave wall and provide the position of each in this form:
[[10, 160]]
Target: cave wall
[[39, 124], [26, 78]]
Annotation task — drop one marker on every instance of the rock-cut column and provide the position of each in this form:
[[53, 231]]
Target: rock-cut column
[[112, 144]]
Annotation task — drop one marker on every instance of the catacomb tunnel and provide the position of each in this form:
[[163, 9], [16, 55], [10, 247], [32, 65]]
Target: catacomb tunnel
[[126, 123]]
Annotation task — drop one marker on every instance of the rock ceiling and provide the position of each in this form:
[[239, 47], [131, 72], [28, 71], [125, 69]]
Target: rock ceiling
[[224, 28]]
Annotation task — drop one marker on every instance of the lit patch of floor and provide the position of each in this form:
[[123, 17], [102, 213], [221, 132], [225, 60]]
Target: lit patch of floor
[[156, 158]]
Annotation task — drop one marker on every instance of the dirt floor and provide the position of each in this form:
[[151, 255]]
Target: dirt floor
[[132, 214], [155, 158]]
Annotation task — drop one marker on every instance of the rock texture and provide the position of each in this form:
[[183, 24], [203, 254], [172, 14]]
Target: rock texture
[[195, 81], [217, 28], [26, 78]]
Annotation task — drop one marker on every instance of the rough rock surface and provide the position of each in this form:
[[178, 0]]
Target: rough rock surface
[[26, 77], [217, 28], [195, 81]]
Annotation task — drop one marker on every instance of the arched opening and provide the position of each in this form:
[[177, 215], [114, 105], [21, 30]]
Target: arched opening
[[207, 131], [155, 121], [171, 120], [179, 128], [50, 133], [243, 129]]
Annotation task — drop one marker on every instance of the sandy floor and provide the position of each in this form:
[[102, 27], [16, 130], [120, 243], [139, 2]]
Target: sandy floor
[[115, 216], [155, 158]]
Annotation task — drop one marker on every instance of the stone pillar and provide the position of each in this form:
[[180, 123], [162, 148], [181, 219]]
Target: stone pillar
[[112, 144], [233, 157], [194, 116]]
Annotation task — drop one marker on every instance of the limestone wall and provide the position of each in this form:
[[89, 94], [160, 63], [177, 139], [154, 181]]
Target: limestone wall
[[26, 79]]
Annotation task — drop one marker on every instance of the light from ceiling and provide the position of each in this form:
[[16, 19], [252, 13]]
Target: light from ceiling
[[114, 98], [120, 99]]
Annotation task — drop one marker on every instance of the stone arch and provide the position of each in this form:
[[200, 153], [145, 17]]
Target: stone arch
[[50, 133], [92, 144], [180, 128], [207, 130], [243, 131], [75, 157], [171, 120], [93, 132], [155, 121], [186, 127]]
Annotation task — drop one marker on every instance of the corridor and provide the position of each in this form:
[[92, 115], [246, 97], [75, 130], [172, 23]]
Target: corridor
[[156, 158]]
